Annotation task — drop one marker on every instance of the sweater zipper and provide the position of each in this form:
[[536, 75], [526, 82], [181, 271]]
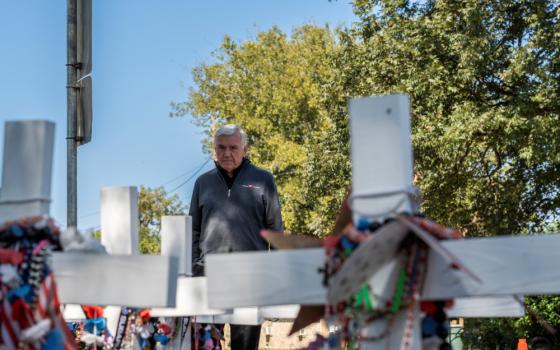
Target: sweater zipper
[[225, 183]]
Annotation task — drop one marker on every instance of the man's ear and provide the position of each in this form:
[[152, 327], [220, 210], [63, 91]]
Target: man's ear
[[245, 149]]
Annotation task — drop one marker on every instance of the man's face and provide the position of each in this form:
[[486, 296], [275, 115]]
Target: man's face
[[230, 151]]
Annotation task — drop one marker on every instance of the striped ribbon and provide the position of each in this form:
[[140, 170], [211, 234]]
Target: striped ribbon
[[47, 307]]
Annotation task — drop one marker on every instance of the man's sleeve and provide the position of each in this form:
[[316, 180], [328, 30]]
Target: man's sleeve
[[196, 217], [273, 213]]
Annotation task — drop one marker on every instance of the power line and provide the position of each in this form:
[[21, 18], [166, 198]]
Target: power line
[[180, 176], [90, 214], [190, 177], [168, 182], [91, 229]]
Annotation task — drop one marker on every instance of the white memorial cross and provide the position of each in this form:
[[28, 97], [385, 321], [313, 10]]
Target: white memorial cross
[[93, 279], [494, 270]]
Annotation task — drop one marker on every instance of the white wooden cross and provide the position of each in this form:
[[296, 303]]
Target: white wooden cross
[[93, 279], [495, 269]]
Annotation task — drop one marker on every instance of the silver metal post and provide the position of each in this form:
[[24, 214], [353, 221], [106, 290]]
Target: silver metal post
[[72, 108]]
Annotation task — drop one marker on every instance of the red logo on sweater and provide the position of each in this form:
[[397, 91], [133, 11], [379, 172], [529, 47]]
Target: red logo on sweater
[[251, 186]]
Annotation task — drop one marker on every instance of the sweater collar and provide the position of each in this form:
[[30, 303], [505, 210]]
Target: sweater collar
[[236, 171]]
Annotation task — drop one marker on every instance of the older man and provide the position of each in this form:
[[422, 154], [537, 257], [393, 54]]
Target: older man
[[229, 206]]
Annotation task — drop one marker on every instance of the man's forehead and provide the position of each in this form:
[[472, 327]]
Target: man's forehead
[[229, 139]]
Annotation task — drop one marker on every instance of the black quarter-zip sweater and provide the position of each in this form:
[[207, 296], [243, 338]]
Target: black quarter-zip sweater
[[228, 213]]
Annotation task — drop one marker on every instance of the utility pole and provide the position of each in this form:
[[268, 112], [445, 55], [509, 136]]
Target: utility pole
[[71, 113], [79, 92]]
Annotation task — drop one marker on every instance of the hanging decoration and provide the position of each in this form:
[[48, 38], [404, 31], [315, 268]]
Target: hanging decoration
[[350, 317], [30, 313]]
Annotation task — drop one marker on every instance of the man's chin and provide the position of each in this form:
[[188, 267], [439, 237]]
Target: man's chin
[[227, 166]]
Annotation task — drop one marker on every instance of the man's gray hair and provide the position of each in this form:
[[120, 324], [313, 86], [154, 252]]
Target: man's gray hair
[[230, 129]]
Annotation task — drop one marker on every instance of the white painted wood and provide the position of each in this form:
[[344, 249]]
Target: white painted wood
[[265, 278], [191, 299], [203, 318], [119, 232], [505, 306], [281, 312], [381, 155], [254, 273], [176, 240], [507, 265], [436, 247], [178, 343], [26, 169], [383, 283], [176, 237], [112, 314], [119, 220], [248, 316], [241, 316], [134, 281], [394, 338], [383, 287], [72, 312], [365, 261]]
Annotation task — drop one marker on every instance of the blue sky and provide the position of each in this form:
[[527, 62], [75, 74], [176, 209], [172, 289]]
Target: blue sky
[[143, 54]]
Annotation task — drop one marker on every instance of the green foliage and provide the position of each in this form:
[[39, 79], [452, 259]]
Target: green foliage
[[484, 83], [278, 89], [504, 333], [153, 203]]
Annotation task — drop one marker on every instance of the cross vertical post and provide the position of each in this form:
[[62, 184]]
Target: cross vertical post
[[26, 169], [119, 231], [119, 220], [176, 240]]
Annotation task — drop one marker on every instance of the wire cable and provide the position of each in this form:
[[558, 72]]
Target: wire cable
[[190, 177], [179, 176], [168, 182]]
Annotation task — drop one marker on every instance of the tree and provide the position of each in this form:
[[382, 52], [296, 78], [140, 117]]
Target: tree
[[277, 88], [153, 203], [484, 84]]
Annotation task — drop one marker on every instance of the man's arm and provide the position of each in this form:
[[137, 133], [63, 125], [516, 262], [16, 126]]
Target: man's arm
[[273, 212], [196, 216]]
